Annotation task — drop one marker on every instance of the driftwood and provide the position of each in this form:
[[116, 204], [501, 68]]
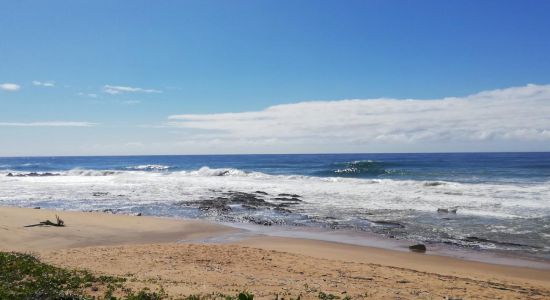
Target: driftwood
[[58, 223]]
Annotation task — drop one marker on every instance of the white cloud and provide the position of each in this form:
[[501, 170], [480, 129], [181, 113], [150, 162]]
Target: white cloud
[[486, 119], [10, 87], [47, 124], [91, 95], [43, 83], [114, 90]]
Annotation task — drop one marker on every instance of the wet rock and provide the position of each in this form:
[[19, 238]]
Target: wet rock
[[447, 210], [261, 192], [389, 224], [32, 174], [418, 248], [217, 204], [433, 183], [287, 199], [289, 195], [258, 221], [282, 209], [99, 194], [36, 207], [251, 201]]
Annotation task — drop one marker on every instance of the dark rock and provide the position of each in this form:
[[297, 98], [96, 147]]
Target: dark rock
[[258, 221], [94, 288], [287, 199], [99, 194], [433, 183], [37, 207], [137, 214], [217, 204], [282, 209], [447, 210], [246, 200], [418, 248], [389, 224], [289, 195], [261, 193], [32, 174]]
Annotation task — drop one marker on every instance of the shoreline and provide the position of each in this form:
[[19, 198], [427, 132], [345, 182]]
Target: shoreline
[[376, 241], [214, 232], [122, 244]]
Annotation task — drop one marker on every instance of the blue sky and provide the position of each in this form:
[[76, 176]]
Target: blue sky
[[112, 77]]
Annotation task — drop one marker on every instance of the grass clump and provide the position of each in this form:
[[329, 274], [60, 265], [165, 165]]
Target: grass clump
[[22, 276]]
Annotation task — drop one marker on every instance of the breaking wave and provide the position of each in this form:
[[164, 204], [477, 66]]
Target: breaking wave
[[149, 167], [360, 168]]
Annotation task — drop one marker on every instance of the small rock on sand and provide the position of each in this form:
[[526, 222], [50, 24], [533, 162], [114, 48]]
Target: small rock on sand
[[418, 248]]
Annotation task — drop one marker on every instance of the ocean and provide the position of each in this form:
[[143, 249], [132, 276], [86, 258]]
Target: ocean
[[484, 201]]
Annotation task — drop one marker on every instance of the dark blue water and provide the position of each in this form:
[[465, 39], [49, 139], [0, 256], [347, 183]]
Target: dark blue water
[[457, 167]]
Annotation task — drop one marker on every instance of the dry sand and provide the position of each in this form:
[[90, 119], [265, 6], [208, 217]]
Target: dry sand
[[144, 250]]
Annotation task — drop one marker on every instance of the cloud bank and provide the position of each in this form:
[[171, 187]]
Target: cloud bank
[[497, 117], [9, 87], [115, 90]]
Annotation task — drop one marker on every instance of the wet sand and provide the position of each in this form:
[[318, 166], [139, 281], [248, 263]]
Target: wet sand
[[145, 249]]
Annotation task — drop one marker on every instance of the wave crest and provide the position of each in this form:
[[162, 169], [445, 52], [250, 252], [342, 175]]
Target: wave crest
[[149, 167], [88, 172], [206, 171], [358, 168]]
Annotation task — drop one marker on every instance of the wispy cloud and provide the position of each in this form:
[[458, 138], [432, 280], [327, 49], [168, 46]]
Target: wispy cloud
[[91, 95], [131, 102], [517, 114], [48, 124], [114, 90], [43, 83], [9, 87]]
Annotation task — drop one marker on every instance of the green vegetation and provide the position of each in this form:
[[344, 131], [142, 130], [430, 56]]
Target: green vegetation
[[24, 277]]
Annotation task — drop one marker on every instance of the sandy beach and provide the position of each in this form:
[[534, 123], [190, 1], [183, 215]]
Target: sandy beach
[[150, 253]]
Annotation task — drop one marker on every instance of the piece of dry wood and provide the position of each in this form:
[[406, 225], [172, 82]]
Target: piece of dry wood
[[59, 223]]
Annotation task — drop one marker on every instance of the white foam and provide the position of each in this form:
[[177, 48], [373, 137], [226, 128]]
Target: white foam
[[149, 167], [321, 196]]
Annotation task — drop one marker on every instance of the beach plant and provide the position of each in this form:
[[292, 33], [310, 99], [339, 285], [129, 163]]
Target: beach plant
[[325, 296], [23, 276]]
